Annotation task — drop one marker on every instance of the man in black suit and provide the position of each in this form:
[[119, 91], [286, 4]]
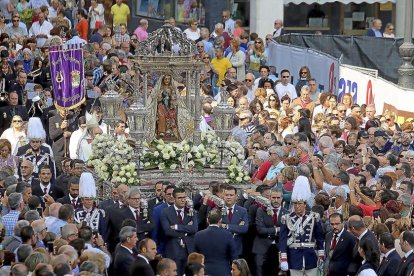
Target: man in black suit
[[73, 196], [339, 245], [358, 229], [113, 201], [7, 112], [61, 127], [218, 256], [391, 259], [141, 266], [158, 192], [407, 262], [45, 187], [267, 237], [142, 217], [125, 256], [179, 226]]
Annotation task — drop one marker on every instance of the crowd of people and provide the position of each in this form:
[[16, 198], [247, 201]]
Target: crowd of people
[[332, 179]]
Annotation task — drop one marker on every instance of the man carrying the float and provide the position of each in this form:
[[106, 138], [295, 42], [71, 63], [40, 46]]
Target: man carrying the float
[[301, 238], [89, 214]]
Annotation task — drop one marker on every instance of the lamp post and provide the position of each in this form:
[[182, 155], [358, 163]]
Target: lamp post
[[223, 117], [136, 118], [406, 70], [111, 103]]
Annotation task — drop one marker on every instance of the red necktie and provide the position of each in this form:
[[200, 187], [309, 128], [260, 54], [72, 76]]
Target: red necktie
[[404, 259], [230, 215], [74, 202], [137, 215], [333, 246], [274, 218], [44, 191], [180, 217]]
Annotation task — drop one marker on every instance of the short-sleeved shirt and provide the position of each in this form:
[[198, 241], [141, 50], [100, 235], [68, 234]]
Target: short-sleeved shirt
[[221, 66], [120, 14]]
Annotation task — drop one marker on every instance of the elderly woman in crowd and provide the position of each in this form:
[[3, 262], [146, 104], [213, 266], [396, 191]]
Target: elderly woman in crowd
[[16, 134]]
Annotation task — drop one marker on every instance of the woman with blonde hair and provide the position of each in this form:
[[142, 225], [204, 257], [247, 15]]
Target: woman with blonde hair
[[193, 32], [260, 94], [286, 180], [6, 158], [257, 57], [348, 101], [16, 134], [390, 123], [237, 58]]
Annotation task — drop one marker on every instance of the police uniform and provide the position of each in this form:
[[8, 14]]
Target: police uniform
[[94, 218], [301, 236], [43, 158]]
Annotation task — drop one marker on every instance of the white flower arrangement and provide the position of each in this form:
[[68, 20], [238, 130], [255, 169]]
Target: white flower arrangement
[[185, 155], [114, 160]]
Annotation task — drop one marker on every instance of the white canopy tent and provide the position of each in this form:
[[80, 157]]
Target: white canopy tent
[[297, 2]]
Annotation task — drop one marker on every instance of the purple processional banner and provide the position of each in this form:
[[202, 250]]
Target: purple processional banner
[[66, 67]]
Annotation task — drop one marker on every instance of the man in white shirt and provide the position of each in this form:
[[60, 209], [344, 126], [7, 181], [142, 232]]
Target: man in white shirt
[[41, 30], [285, 87], [248, 81], [229, 24]]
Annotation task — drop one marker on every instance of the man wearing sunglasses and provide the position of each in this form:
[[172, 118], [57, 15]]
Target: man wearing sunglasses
[[285, 87]]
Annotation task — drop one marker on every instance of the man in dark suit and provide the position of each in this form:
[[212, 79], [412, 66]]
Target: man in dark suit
[[391, 259], [108, 203], [124, 256], [45, 186], [141, 266], [143, 218], [61, 127], [73, 196], [179, 226], [157, 233], [279, 30], [339, 245], [267, 237], [158, 192], [375, 30], [236, 220], [114, 217], [218, 256], [407, 262], [358, 229]]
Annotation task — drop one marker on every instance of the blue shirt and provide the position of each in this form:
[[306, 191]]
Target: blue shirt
[[9, 221], [55, 227], [274, 170]]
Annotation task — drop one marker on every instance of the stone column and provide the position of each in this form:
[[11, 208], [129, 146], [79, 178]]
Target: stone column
[[262, 15], [399, 18], [406, 71]]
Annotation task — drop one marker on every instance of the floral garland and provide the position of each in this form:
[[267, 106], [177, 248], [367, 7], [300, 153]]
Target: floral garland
[[185, 155], [113, 160]]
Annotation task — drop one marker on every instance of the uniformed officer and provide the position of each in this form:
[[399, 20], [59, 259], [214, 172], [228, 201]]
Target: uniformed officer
[[301, 234], [35, 152], [89, 214]]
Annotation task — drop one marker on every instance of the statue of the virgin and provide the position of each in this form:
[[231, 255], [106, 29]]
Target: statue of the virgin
[[173, 121]]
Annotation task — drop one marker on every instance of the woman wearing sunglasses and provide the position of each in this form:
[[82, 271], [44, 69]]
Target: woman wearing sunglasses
[[257, 57], [15, 134], [304, 77]]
